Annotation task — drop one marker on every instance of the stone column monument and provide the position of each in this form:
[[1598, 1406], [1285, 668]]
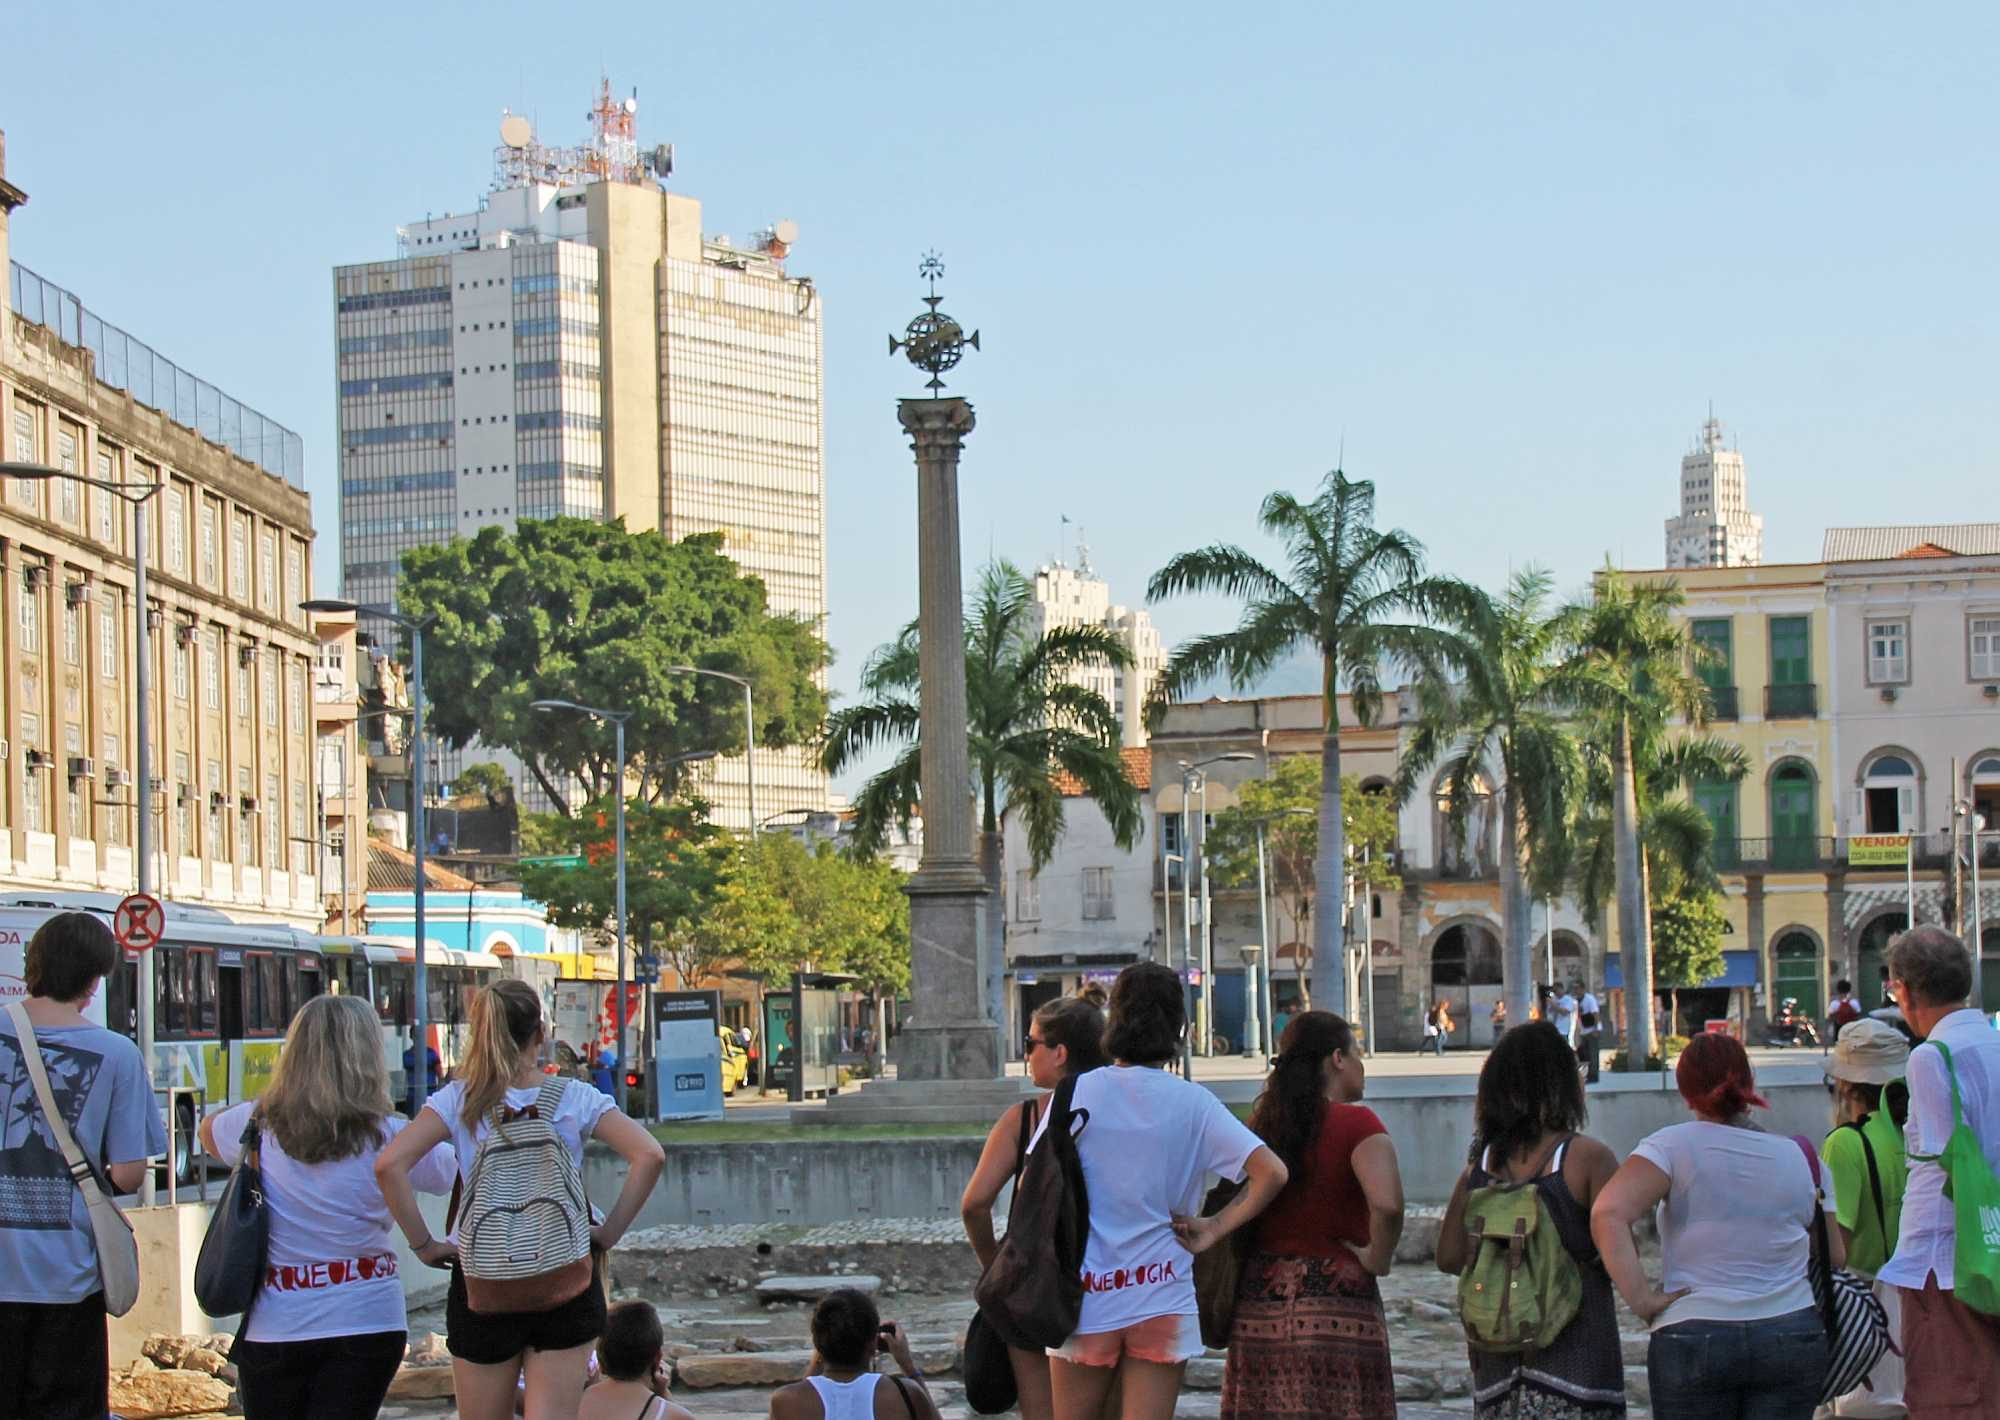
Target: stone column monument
[[952, 1037]]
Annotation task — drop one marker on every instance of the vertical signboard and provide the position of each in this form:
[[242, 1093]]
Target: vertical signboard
[[687, 1054]]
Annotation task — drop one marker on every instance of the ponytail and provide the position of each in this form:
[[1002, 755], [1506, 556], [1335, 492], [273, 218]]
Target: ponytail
[[1288, 1113], [506, 1017]]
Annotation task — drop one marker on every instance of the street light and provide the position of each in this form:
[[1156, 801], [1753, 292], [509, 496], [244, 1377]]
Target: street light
[[617, 719], [136, 492], [1193, 781], [749, 731], [415, 626]]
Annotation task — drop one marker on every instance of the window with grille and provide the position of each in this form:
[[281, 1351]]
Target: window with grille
[[211, 668], [209, 534], [180, 669], [296, 695], [72, 624], [177, 531], [246, 828], [1982, 634], [31, 621], [107, 643], [267, 573], [1888, 652], [1097, 906], [271, 689], [26, 450], [274, 823], [239, 557], [66, 498]]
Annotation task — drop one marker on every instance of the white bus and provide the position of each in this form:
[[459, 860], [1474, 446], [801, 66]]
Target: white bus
[[224, 992]]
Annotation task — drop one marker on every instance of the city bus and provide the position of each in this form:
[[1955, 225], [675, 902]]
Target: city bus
[[224, 993]]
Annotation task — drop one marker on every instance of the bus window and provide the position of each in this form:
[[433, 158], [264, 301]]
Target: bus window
[[170, 1007], [121, 992], [392, 993], [202, 1019], [312, 976], [438, 995], [468, 987], [265, 1013]]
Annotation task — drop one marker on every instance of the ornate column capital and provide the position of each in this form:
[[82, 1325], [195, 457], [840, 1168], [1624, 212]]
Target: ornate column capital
[[937, 427]]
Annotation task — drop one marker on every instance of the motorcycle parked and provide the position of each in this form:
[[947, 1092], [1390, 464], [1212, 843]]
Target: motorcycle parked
[[1792, 1027]]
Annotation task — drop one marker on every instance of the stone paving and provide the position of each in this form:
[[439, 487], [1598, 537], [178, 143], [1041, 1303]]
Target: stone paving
[[730, 1349]]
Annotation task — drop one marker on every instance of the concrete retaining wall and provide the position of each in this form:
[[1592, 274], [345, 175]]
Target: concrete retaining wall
[[812, 1181]]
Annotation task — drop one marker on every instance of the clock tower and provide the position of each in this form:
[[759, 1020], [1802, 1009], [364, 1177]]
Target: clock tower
[[1716, 527]]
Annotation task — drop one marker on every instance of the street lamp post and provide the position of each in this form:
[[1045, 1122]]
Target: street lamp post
[[1193, 781], [137, 493], [749, 731], [415, 626]]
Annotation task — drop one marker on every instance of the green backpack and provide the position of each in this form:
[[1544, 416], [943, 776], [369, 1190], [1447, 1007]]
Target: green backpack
[[1521, 1286], [1974, 1191]]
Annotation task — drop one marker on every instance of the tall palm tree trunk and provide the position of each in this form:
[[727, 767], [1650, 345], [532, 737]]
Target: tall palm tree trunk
[[1329, 963], [993, 949], [1517, 960], [1635, 948]]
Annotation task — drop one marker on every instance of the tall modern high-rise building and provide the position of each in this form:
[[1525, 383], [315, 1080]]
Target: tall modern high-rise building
[[577, 346], [1077, 596], [1716, 527]]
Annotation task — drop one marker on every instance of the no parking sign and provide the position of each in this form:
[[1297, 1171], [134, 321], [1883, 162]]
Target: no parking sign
[[140, 922]]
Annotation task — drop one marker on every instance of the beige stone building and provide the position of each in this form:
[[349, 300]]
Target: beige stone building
[[230, 544]]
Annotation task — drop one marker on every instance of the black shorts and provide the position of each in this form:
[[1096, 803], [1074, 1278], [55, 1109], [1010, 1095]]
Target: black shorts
[[494, 1338], [63, 1357]]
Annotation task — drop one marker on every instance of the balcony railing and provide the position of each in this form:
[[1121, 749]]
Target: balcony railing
[[1767, 854], [1722, 702], [1791, 702]]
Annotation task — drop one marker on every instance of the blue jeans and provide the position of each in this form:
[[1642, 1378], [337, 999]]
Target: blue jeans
[[1738, 1370]]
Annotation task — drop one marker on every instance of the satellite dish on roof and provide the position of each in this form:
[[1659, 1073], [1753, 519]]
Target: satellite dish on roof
[[516, 131], [786, 231]]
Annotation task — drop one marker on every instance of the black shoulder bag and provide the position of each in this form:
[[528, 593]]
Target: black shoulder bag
[[1032, 1294], [229, 1271]]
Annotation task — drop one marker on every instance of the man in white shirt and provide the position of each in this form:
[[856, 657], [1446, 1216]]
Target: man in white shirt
[[1562, 1015], [1951, 1353]]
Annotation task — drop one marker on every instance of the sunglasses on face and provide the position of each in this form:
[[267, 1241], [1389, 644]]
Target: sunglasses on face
[[1033, 1043]]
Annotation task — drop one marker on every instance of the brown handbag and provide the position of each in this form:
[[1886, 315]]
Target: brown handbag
[[1219, 1271]]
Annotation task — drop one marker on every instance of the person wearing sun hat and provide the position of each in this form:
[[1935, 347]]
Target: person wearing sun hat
[[1864, 1154]]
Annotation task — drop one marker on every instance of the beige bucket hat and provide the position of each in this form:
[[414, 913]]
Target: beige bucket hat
[[1869, 1052]]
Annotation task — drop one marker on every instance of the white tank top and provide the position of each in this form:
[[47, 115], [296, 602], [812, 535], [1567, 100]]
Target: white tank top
[[847, 1400]]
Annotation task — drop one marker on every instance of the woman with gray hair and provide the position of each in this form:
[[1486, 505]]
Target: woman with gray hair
[[326, 1332]]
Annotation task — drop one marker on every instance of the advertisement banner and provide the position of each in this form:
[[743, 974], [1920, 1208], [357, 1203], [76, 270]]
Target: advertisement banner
[[687, 1054], [585, 1021], [1881, 850]]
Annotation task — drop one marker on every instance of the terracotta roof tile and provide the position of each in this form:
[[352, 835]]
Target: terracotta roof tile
[[390, 869], [1138, 768]]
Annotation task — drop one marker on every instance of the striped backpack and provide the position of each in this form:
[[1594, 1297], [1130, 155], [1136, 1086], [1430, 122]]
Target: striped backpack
[[1857, 1326], [524, 1223]]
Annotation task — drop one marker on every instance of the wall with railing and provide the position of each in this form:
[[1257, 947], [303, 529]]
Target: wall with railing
[[153, 380]]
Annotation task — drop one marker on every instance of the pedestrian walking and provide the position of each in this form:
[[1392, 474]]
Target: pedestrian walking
[[841, 1382], [632, 1369], [1735, 1332], [501, 1085], [1528, 1121], [327, 1330], [433, 1072], [1150, 1143], [1309, 1338], [51, 1293], [1951, 1349], [1065, 1038], [1844, 1008], [1589, 1035], [1864, 1155], [1562, 1015]]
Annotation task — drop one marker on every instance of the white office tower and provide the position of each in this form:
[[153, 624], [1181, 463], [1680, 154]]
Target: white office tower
[[1716, 527], [576, 346], [1077, 596]]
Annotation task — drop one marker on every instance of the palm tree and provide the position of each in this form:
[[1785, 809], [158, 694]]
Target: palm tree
[[1500, 721], [1629, 667], [1345, 586], [1026, 722]]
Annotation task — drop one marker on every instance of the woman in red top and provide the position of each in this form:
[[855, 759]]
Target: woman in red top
[[1309, 1337]]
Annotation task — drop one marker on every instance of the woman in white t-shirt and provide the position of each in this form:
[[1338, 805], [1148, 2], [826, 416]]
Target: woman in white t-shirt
[[1735, 1332], [1150, 1145], [490, 1352], [326, 1333]]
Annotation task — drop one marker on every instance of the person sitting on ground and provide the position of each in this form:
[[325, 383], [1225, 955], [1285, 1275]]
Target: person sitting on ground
[[841, 1384], [1527, 1123], [1066, 1039], [632, 1369]]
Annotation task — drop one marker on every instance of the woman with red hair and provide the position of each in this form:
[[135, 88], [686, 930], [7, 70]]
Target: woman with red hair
[[1735, 1333]]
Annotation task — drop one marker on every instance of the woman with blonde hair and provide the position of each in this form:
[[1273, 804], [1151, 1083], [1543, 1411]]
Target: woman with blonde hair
[[501, 1079], [326, 1332]]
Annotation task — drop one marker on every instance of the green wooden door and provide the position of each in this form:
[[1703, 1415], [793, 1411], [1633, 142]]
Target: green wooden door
[[1718, 802], [1798, 973], [1791, 650], [1792, 818]]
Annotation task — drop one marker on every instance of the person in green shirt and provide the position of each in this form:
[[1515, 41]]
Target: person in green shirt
[[1870, 1103]]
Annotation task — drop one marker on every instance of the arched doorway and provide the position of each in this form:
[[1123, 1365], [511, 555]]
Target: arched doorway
[[1889, 795], [1465, 975], [1796, 971], [1872, 956], [1794, 816], [1983, 780]]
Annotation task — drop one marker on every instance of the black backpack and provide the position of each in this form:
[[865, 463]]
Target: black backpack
[[1032, 1294]]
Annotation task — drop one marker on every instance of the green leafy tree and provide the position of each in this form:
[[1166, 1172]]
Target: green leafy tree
[[788, 907], [1285, 804], [1627, 669], [1499, 721], [1687, 941], [1026, 722], [676, 865], [572, 609], [1355, 594], [487, 780]]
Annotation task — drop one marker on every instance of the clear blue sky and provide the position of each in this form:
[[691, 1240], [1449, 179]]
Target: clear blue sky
[[1507, 253]]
